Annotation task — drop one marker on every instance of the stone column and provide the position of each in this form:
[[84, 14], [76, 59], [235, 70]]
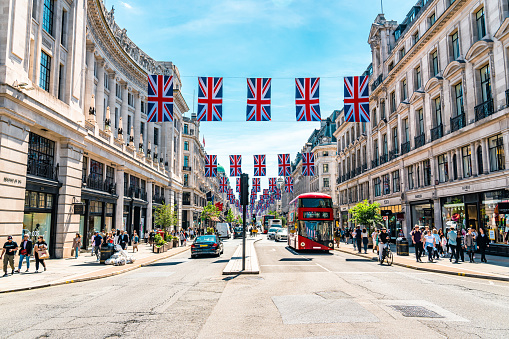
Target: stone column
[[89, 80], [450, 164], [437, 209], [459, 158], [485, 161], [505, 135], [112, 103], [69, 174], [403, 177], [137, 122], [124, 114], [473, 156], [99, 95], [432, 163], [119, 211], [148, 218]]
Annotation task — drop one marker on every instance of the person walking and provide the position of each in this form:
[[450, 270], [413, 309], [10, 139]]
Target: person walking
[[461, 244], [470, 245], [337, 236], [123, 239], [25, 251], [40, 253], [365, 240], [347, 235], [382, 243], [374, 237], [76, 245], [358, 238], [429, 240], [97, 245], [417, 241], [483, 241], [452, 237], [136, 241], [8, 252], [436, 250]]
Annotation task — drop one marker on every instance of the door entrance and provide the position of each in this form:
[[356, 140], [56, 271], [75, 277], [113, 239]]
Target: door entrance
[[472, 219]]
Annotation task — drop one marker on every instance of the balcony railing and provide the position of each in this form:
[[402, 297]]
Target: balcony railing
[[484, 110], [507, 98], [358, 170], [384, 158], [374, 163], [98, 184], [364, 167], [420, 140], [405, 147], [377, 82], [42, 169], [458, 122], [137, 192], [343, 178], [158, 199], [186, 202], [437, 132], [186, 168], [393, 154], [347, 176]]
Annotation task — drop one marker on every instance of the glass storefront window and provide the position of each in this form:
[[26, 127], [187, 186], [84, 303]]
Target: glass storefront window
[[495, 224], [453, 212], [36, 224], [422, 215]]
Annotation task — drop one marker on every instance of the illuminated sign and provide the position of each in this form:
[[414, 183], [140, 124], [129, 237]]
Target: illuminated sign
[[316, 215]]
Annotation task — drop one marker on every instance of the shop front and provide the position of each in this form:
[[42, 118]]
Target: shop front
[[344, 220], [393, 219], [39, 217], [422, 213], [99, 215]]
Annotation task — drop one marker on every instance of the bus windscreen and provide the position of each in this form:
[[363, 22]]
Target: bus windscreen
[[315, 203]]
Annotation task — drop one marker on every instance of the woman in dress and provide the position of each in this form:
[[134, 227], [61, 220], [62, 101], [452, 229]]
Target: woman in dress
[[40, 247], [76, 245]]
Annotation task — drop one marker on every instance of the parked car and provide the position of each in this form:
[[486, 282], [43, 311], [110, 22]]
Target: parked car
[[272, 231], [237, 232], [207, 244], [223, 229], [281, 235]]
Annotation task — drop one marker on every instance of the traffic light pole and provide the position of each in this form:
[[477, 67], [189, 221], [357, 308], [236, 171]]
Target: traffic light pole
[[244, 238], [244, 188]]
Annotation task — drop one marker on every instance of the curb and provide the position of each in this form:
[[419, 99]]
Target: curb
[[417, 268], [95, 277], [244, 272]]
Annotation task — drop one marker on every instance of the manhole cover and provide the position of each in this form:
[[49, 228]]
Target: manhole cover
[[416, 311]]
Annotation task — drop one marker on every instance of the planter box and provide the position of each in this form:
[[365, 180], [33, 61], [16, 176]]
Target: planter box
[[175, 243]]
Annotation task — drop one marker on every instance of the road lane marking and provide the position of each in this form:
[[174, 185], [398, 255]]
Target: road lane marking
[[289, 265], [322, 267]]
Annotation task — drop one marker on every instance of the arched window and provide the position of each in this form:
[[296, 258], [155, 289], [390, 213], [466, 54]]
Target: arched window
[[480, 169], [454, 167]]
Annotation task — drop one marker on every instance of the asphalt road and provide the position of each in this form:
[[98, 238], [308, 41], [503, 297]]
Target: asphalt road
[[297, 295]]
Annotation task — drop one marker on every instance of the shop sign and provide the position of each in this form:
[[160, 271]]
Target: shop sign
[[385, 213], [503, 208], [12, 181], [79, 208], [428, 212], [400, 216], [492, 234]]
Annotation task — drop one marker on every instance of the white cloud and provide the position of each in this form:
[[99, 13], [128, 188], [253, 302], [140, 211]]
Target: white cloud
[[126, 5]]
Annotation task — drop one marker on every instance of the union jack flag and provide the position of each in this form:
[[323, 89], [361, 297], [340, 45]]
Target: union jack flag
[[259, 166], [357, 99], [237, 204], [272, 184], [211, 166], [278, 194], [288, 184], [210, 99], [223, 184], [238, 185], [265, 194], [256, 185], [232, 198], [235, 163], [284, 168], [308, 164], [229, 194], [258, 99], [160, 98], [307, 99]]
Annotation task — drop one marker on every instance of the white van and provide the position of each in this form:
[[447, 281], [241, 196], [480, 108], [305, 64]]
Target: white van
[[223, 230], [275, 223]]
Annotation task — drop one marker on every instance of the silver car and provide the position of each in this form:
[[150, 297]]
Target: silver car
[[272, 231], [281, 234]]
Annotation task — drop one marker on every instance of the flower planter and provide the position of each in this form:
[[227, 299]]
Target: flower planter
[[170, 245], [175, 243]]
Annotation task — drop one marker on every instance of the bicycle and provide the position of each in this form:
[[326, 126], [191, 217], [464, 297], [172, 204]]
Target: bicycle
[[387, 256]]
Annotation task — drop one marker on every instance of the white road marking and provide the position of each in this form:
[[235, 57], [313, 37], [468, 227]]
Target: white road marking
[[322, 267], [290, 265]]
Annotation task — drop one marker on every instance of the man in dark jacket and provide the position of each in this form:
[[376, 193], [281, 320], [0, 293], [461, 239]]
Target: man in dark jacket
[[358, 238], [9, 250], [25, 251], [123, 239]]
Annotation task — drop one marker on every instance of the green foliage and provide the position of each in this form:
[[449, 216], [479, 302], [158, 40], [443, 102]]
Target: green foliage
[[210, 230], [278, 216], [165, 216], [159, 241], [239, 220], [366, 214], [230, 217], [209, 211]]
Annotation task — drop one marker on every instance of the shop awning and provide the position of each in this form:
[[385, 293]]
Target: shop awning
[[214, 219]]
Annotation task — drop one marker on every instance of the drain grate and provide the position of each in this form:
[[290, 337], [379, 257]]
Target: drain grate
[[416, 311]]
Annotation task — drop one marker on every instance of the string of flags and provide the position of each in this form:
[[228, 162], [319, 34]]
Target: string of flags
[[258, 103]]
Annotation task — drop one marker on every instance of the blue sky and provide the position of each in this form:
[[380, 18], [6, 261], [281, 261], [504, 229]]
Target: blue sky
[[236, 39]]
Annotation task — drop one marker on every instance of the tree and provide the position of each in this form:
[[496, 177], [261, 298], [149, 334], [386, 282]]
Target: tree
[[165, 216], [230, 217], [209, 212], [278, 216], [366, 214]]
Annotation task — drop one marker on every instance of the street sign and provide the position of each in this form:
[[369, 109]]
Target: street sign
[[385, 213], [385, 218], [79, 208]]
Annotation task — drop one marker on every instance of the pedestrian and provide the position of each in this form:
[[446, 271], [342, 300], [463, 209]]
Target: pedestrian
[[443, 245], [417, 241], [116, 236], [347, 235], [136, 240], [436, 250], [461, 245], [123, 239], [470, 246], [483, 241], [374, 237], [452, 238], [365, 240], [92, 241], [337, 235], [358, 238], [401, 234], [97, 245], [9, 250], [182, 238], [25, 251], [76, 245], [383, 241], [429, 240], [40, 253]]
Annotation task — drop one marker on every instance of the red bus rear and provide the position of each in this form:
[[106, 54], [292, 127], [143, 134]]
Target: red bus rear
[[310, 222], [265, 222]]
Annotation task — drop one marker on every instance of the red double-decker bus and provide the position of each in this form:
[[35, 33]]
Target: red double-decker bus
[[310, 222]]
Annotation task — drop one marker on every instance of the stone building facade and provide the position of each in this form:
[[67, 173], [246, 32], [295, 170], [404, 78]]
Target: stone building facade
[[73, 126], [434, 152]]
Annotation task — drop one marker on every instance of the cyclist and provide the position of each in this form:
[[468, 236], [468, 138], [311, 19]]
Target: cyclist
[[383, 241]]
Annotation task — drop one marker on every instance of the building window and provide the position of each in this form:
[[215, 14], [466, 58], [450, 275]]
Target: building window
[[118, 91], [130, 99], [186, 179], [438, 111], [41, 156], [401, 53], [426, 164], [156, 136], [374, 118], [63, 33], [467, 161], [480, 166], [395, 181], [406, 131], [403, 90], [432, 19], [458, 89], [376, 185], [326, 182], [434, 63], [186, 161], [186, 145], [47, 16], [393, 102], [387, 184], [325, 168], [186, 129], [480, 24], [443, 168], [485, 83], [455, 46], [96, 170], [454, 167], [496, 152], [384, 145], [106, 81], [391, 66], [142, 130], [395, 139], [61, 82], [415, 37], [410, 175], [420, 121], [45, 71], [418, 80], [110, 175], [382, 109], [142, 106]]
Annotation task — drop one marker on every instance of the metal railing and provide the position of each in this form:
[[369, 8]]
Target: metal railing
[[374, 162], [358, 170], [158, 199], [437, 132], [393, 154], [377, 82], [137, 192], [405, 147], [420, 140], [364, 167], [186, 168], [42, 169], [484, 110], [384, 158], [97, 184], [458, 122]]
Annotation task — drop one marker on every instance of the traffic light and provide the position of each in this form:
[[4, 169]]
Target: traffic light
[[254, 218], [244, 189]]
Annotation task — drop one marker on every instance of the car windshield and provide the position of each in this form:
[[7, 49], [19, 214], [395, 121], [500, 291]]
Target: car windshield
[[238, 229], [273, 230], [206, 238], [283, 230]]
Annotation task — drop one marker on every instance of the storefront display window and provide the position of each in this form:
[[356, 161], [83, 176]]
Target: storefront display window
[[422, 214], [37, 224], [497, 225], [453, 212]]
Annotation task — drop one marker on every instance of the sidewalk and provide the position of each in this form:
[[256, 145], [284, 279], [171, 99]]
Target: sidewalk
[[234, 266], [70, 270], [497, 268]]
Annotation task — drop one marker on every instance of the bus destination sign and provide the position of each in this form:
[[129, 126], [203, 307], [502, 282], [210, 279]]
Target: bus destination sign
[[315, 215]]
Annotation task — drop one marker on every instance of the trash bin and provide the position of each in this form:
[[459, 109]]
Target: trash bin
[[106, 253], [401, 246]]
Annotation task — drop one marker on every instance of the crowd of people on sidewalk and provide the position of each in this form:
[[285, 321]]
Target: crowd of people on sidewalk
[[25, 250]]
